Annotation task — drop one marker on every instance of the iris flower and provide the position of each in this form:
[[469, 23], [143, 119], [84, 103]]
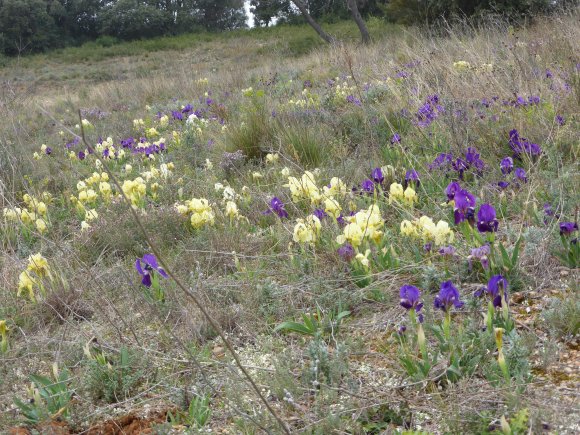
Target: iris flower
[[377, 175], [464, 206], [368, 186], [412, 176], [447, 251], [481, 254], [277, 206], [448, 296], [522, 145], [486, 219], [520, 175], [410, 298], [452, 189], [146, 266], [507, 165], [567, 228], [319, 213], [346, 252], [496, 289]]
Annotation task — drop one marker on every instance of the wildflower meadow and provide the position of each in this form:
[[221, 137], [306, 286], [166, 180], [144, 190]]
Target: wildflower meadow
[[241, 238]]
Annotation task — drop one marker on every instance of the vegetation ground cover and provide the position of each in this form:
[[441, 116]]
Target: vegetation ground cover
[[386, 234]]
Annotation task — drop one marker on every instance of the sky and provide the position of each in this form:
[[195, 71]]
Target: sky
[[249, 15]]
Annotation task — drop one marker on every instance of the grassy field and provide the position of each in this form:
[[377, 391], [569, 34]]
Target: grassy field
[[254, 232]]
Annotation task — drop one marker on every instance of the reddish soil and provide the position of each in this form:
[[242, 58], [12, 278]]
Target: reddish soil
[[131, 424]]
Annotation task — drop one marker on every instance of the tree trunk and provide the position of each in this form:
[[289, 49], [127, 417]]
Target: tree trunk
[[353, 8], [304, 11]]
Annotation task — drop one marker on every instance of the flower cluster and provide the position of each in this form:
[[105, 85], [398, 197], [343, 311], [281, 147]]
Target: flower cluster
[[364, 225], [429, 111], [33, 215], [199, 210], [36, 271], [424, 228], [520, 145], [306, 231], [304, 188]]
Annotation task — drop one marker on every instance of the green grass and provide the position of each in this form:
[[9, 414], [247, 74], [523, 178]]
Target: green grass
[[256, 269]]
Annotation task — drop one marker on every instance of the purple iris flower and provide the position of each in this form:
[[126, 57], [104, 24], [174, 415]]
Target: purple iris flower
[[460, 166], [447, 251], [496, 289], [368, 186], [472, 158], [81, 155], [346, 252], [377, 175], [188, 108], [429, 111], [128, 143], [427, 247], [145, 266], [486, 219], [319, 213], [177, 115], [442, 161], [480, 254], [464, 206], [560, 120], [48, 151], [452, 189], [277, 206], [503, 184], [567, 228], [448, 296], [412, 175], [507, 165], [522, 145], [410, 296], [71, 144], [352, 99], [520, 175], [396, 138]]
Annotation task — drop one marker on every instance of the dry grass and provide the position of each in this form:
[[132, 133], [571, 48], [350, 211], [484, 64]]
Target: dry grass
[[245, 274]]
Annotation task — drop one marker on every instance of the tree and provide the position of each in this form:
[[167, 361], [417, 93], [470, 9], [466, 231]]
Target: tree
[[265, 11], [312, 22], [353, 8], [133, 19], [216, 15], [421, 11], [26, 26], [76, 19]]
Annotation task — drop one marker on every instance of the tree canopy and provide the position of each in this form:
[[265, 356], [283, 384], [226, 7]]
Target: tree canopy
[[36, 25]]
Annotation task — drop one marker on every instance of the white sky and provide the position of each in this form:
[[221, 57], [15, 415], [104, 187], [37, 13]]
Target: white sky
[[249, 15]]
